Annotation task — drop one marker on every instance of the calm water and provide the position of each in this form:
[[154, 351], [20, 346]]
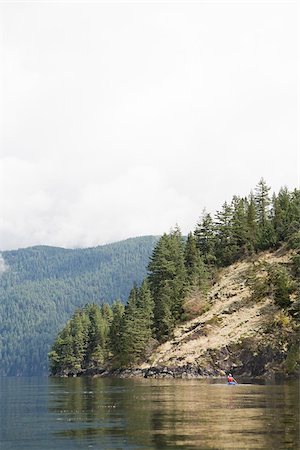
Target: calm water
[[82, 413]]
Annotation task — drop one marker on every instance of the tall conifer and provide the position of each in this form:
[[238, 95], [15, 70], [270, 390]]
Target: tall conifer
[[167, 278], [206, 239], [266, 232], [197, 273]]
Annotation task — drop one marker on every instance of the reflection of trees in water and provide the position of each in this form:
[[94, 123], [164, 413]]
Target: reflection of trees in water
[[100, 409], [160, 414]]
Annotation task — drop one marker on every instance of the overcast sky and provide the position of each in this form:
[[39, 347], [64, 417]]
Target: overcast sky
[[121, 119]]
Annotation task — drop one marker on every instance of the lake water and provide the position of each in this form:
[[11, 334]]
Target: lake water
[[86, 413]]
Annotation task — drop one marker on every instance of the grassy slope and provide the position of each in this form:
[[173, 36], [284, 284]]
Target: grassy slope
[[238, 332]]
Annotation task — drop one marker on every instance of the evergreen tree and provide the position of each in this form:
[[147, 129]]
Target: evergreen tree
[[294, 214], [262, 200], [79, 326], [251, 224], [281, 206], [145, 304], [137, 325], [159, 265], [61, 356], [167, 280], [107, 313], [238, 228], [96, 336], [283, 286], [206, 239], [266, 233], [197, 273], [115, 332], [224, 249], [129, 333]]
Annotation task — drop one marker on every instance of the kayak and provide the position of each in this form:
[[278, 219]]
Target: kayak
[[231, 383]]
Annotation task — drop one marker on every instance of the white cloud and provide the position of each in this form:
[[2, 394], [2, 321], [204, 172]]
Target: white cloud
[[123, 119], [3, 265]]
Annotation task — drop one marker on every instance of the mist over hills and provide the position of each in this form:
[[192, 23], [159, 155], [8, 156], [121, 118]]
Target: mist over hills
[[41, 287]]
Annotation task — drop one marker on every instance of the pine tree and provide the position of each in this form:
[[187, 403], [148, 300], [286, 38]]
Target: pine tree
[[238, 228], [251, 224], [145, 304], [115, 332], [266, 233], [262, 200], [107, 313], [282, 284], [281, 204], [293, 227], [164, 321], [61, 357], [137, 325], [79, 325], [167, 279], [197, 273], [144, 320], [98, 335], [224, 250], [129, 337], [294, 212], [206, 239]]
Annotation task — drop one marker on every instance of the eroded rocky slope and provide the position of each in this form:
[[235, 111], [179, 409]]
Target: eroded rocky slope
[[238, 332]]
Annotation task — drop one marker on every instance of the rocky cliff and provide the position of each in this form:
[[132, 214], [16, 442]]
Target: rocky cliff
[[240, 331]]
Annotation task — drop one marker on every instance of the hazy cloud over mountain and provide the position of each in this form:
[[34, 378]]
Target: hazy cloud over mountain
[[123, 119], [3, 265]]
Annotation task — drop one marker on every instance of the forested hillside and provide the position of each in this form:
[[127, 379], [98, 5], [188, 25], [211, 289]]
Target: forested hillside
[[181, 272], [40, 287]]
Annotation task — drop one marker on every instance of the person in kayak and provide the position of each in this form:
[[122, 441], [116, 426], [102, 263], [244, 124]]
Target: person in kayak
[[230, 379]]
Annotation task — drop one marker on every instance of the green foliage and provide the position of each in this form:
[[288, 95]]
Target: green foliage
[[96, 335], [205, 236], [82, 344], [258, 281], [292, 362], [282, 285], [43, 286], [266, 232], [198, 274], [294, 240], [251, 224], [286, 208], [137, 325], [296, 265], [115, 332], [168, 282], [248, 225], [273, 280]]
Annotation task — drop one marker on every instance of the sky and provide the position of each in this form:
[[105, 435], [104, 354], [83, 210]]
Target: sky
[[121, 119]]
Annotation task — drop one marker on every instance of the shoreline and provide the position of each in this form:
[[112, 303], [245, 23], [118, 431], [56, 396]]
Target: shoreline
[[164, 372]]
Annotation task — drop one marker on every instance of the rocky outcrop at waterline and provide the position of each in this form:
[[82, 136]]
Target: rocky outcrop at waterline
[[188, 371], [245, 361]]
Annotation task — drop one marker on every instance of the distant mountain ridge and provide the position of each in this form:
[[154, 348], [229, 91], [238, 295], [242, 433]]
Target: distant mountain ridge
[[41, 286]]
